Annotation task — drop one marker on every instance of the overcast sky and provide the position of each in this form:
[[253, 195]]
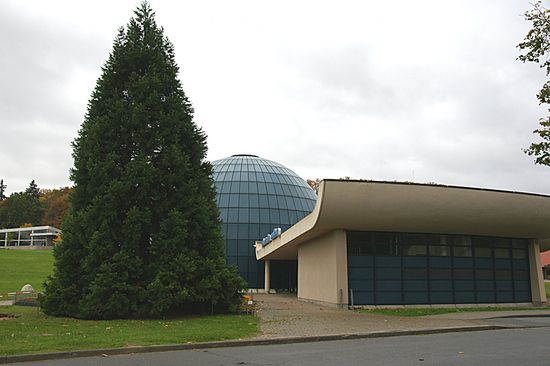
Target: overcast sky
[[396, 90]]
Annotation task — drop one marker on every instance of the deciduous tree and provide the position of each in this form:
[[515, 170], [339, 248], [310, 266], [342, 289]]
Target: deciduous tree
[[536, 48]]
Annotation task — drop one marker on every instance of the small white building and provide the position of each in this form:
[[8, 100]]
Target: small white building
[[28, 237]]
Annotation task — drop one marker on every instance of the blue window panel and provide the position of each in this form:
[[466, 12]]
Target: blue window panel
[[243, 200], [440, 273], [272, 202], [415, 285], [245, 178], [225, 187], [224, 229], [441, 297], [232, 261], [505, 296], [281, 202], [231, 249], [290, 203], [522, 296], [503, 264], [234, 200], [483, 263], [388, 285], [243, 248], [519, 254], [285, 219], [360, 261], [254, 232], [243, 231], [387, 261], [263, 201], [415, 273], [253, 201], [388, 298], [484, 274], [262, 188], [243, 187], [274, 217], [415, 298], [520, 264], [361, 273], [271, 188], [503, 275], [440, 262], [232, 215], [361, 285], [388, 273], [286, 190], [293, 216], [415, 262], [504, 285], [264, 216], [232, 231], [463, 274], [223, 200], [363, 298], [242, 262], [254, 215], [522, 285], [441, 285], [463, 285], [278, 189], [485, 297], [243, 214], [464, 297], [463, 262], [253, 187], [485, 285], [234, 187]]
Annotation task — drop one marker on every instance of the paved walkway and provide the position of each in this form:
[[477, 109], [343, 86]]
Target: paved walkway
[[284, 315]]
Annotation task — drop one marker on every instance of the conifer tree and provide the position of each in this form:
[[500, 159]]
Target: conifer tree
[[143, 235]]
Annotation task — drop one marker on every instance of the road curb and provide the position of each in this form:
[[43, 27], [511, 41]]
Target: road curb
[[238, 343]]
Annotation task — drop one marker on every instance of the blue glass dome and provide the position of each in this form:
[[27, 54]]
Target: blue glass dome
[[255, 196]]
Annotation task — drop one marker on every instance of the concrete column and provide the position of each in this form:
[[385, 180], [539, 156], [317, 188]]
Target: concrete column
[[266, 283], [32, 238], [538, 292], [18, 238]]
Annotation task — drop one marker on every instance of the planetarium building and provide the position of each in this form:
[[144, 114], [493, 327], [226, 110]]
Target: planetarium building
[[387, 243], [254, 197]]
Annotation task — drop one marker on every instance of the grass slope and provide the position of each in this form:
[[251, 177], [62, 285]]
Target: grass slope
[[34, 332], [19, 267]]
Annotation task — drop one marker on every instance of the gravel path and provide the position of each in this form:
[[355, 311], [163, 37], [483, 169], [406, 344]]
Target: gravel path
[[284, 315]]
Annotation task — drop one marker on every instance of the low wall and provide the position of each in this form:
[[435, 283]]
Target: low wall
[[27, 247]]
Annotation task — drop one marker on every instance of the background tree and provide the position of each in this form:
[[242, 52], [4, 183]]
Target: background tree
[[536, 48], [56, 205], [143, 235], [2, 190], [33, 189], [20, 208]]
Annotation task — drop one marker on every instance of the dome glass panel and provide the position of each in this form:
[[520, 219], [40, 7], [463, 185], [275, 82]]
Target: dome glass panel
[[255, 196]]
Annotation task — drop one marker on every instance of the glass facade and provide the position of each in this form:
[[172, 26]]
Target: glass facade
[[402, 268], [255, 196]]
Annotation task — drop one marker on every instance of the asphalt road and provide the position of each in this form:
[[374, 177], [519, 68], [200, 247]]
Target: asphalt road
[[500, 347]]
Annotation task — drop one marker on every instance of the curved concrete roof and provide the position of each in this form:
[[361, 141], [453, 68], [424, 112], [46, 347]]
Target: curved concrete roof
[[421, 208]]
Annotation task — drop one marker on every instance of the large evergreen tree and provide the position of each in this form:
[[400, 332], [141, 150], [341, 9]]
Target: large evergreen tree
[[143, 235]]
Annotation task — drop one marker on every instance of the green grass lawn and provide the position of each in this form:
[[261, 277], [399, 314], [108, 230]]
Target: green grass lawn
[[34, 332], [436, 311], [19, 267]]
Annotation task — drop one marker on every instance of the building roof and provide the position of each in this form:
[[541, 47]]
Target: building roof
[[411, 207]]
